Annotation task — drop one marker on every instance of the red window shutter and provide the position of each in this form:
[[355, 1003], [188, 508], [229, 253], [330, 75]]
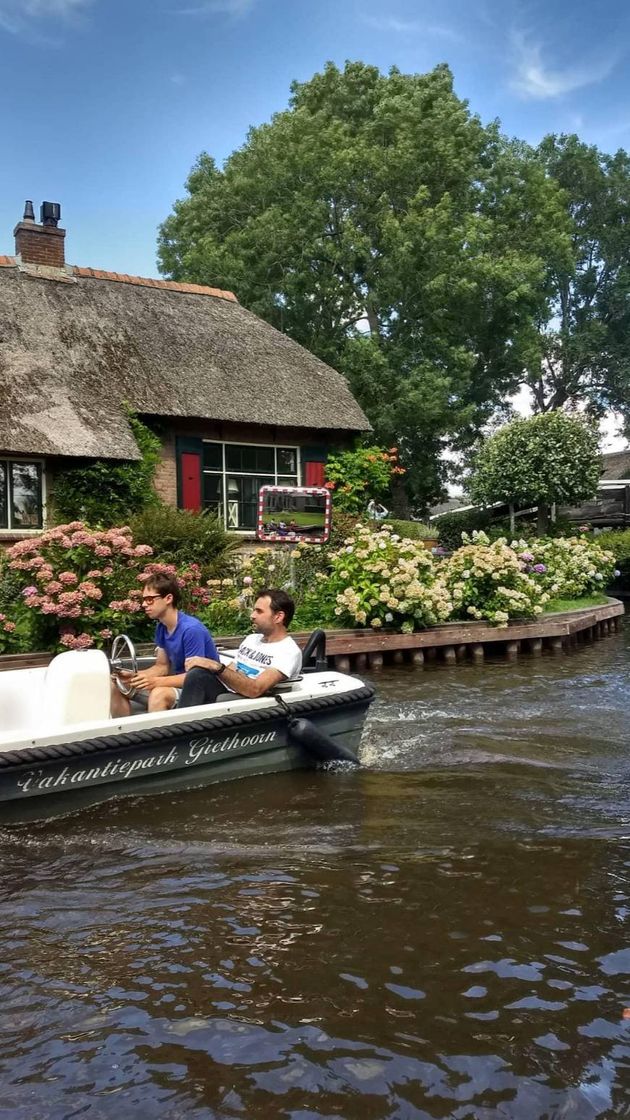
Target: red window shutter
[[314, 474], [191, 480]]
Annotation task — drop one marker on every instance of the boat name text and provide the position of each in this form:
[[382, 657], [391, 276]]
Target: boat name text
[[123, 768]]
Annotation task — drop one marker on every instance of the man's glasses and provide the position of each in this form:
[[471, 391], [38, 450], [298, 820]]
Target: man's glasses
[[150, 598]]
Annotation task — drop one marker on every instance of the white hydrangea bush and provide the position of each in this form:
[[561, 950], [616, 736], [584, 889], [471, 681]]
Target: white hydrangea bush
[[380, 579]]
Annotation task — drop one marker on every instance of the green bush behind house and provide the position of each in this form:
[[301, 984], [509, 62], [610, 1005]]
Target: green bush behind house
[[104, 493], [181, 536]]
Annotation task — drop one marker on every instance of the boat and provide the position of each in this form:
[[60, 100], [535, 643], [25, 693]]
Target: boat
[[61, 750]]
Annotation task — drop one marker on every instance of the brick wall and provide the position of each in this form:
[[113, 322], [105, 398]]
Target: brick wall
[[166, 474]]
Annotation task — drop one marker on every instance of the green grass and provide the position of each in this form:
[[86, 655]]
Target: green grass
[[556, 605]]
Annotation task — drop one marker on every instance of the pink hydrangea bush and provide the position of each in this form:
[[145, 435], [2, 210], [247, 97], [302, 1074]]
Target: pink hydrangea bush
[[81, 586]]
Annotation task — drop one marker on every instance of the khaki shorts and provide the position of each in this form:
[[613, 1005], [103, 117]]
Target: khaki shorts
[[139, 699]]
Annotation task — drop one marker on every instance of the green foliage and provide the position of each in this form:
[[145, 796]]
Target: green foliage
[[547, 458], [585, 332], [449, 527], [181, 536], [616, 541], [106, 493], [412, 530], [382, 200], [355, 477]]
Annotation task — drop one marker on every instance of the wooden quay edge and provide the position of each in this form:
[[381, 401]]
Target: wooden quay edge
[[559, 629]]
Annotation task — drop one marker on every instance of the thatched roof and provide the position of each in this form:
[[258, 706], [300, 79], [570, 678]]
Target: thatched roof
[[616, 466], [75, 345]]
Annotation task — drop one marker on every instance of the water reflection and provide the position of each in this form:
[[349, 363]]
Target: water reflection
[[443, 935]]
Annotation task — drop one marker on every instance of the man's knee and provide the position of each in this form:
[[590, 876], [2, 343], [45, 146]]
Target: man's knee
[[161, 699]]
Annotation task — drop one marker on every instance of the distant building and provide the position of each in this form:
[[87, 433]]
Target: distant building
[[236, 403], [609, 508]]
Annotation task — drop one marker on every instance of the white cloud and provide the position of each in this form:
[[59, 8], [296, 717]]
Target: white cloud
[[20, 16], [536, 80], [411, 27], [234, 8]]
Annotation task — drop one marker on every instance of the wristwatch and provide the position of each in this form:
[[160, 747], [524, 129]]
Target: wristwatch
[[221, 669]]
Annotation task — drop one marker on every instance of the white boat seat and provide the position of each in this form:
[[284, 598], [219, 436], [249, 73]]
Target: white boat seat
[[76, 689]]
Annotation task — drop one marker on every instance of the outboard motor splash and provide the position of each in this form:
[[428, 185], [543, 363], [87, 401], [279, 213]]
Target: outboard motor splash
[[318, 743]]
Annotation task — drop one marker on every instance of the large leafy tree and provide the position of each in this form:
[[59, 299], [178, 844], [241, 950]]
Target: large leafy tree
[[551, 457], [380, 224], [586, 330]]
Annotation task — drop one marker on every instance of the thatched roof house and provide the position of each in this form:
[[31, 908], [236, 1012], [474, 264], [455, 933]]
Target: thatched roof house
[[241, 401]]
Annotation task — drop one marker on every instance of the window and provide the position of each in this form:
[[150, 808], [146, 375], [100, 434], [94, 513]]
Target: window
[[21, 498], [233, 474]]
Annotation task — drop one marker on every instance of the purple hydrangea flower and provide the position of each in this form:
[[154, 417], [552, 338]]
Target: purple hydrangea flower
[[540, 568]]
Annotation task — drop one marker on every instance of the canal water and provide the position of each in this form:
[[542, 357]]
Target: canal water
[[442, 934]]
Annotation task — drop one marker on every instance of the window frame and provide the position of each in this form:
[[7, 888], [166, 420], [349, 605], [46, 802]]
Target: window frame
[[11, 530], [274, 479]]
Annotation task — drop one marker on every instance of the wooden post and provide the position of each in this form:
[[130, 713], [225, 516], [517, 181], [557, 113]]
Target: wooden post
[[555, 645], [360, 662], [511, 651], [430, 653], [450, 656], [535, 647], [417, 658], [398, 657], [461, 652], [376, 660], [342, 663], [477, 653]]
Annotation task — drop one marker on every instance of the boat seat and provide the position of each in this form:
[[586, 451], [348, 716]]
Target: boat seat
[[76, 689]]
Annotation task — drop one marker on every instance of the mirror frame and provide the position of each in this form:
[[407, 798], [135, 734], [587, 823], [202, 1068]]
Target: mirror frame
[[294, 538]]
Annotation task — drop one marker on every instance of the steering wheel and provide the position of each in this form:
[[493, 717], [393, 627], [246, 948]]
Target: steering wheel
[[121, 643]]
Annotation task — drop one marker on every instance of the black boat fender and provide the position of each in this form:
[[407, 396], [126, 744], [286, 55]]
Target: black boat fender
[[322, 746]]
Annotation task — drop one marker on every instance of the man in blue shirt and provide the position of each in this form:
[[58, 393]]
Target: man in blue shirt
[[178, 636]]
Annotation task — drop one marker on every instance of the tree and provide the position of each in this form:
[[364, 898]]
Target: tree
[[544, 459], [586, 330], [381, 225]]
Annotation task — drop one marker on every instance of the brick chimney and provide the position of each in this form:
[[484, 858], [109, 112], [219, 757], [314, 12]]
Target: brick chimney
[[41, 245]]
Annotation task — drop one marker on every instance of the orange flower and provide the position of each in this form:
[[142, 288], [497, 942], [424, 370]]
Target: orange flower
[[329, 485]]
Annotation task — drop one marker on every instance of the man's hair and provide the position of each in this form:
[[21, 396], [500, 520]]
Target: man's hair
[[164, 585], [280, 601]]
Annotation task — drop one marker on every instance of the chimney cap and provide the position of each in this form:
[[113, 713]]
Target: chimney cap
[[50, 213], [29, 213]]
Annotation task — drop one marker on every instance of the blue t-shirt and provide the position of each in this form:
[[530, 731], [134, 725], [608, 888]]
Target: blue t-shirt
[[190, 638]]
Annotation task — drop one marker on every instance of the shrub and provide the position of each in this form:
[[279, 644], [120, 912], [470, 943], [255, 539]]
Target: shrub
[[616, 541], [567, 567], [487, 580], [355, 477], [449, 527], [80, 585], [412, 530], [181, 536], [379, 579], [105, 493]]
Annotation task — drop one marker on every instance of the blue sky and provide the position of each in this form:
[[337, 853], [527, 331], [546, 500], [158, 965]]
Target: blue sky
[[105, 104]]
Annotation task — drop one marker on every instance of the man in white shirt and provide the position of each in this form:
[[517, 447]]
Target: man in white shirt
[[264, 658]]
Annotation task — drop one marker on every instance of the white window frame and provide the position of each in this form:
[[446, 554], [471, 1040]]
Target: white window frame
[[18, 530], [249, 474]]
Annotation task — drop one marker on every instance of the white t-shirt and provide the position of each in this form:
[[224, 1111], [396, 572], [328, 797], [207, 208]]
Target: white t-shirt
[[255, 655]]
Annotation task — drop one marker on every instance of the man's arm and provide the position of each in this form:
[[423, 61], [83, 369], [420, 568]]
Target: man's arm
[[240, 683], [158, 675]]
